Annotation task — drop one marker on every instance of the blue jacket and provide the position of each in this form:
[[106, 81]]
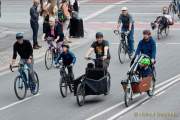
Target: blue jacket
[[148, 48], [67, 58]]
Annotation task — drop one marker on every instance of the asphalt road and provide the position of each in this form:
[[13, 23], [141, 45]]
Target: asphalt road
[[49, 105]]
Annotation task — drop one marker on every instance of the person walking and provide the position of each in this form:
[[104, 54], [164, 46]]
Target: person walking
[[34, 13]]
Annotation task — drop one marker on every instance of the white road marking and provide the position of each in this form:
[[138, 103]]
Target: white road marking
[[160, 93], [18, 102], [141, 101], [119, 104], [108, 7]]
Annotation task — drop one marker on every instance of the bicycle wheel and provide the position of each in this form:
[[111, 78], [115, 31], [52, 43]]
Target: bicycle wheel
[[80, 95], [127, 96], [151, 90], [35, 85], [108, 83], [20, 88], [49, 59], [159, 33], [63, 87], [121, 53], [166, 31]]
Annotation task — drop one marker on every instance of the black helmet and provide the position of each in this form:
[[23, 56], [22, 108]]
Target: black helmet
[[19, 35], [65, 45], [99, 35], [146, 32]]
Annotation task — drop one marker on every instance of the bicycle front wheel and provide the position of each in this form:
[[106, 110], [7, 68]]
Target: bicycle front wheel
[[35, 85], [49, 59], [20, 88], [63, 87], [121, 53]]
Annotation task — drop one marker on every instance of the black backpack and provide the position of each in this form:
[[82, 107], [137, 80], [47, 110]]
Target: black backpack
[[75, 6]]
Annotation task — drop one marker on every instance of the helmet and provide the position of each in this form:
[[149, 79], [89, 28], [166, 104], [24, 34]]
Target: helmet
[[124, 9], [99, 35], [66, 45], [145, 61], [165, 10], [146, 32], [19, 35]]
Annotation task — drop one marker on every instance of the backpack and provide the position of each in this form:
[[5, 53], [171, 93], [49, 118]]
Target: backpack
[[75, 6], [61, 15]]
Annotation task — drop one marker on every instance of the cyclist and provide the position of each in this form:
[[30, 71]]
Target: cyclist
[[126, 23], [68, 59], [25, 50], [54, 31], [101, 49], [167, 15], [147, 46]]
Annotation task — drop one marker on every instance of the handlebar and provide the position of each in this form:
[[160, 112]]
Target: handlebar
[[11, 67], [117, 32], [94, 59]]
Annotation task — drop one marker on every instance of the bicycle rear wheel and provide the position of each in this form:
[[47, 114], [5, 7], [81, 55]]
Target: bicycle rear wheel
[[121, 53], [63, 87], [20, 88], [49, 59], [80, 95], [35, 85]]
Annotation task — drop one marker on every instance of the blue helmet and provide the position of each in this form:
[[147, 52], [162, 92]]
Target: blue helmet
[[19, 35]]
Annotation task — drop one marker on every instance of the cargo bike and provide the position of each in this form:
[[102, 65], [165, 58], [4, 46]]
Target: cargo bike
[[136, 83], [95, 81]]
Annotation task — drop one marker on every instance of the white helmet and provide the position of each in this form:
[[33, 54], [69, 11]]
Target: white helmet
[[124, 9]]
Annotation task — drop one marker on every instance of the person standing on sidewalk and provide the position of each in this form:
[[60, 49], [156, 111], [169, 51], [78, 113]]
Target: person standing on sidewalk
[[34, 13]]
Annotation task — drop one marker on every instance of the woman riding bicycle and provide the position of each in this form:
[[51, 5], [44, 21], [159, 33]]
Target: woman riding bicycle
[[54, 31]]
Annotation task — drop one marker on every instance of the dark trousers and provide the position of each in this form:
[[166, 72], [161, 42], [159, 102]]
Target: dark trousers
[[35, 28], [70, 71]]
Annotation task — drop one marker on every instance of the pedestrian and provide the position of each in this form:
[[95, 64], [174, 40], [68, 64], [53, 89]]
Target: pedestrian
[[53, 9], [34, 13], [74, 5], [65, 8]]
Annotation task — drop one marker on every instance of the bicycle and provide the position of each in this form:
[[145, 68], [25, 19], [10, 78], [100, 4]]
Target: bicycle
[[148, 84], [22, 82], [51, 54], [123, 46], [65, 81], [95, 81]]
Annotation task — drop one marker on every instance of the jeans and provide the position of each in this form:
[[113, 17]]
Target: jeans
[[31, 70], [35, 28], [130, 39]]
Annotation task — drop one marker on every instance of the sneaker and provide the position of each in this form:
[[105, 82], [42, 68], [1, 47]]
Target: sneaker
[[35, 47]]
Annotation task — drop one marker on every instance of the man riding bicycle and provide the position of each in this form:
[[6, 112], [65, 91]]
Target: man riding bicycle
[[126, 23], [54, 31], [146, 46], [25, 50], [68, 60], [101, 49]]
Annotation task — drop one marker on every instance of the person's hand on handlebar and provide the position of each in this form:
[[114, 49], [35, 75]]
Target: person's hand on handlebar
[[13, 62], [153, 61], [104, 57], [87, 57]]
